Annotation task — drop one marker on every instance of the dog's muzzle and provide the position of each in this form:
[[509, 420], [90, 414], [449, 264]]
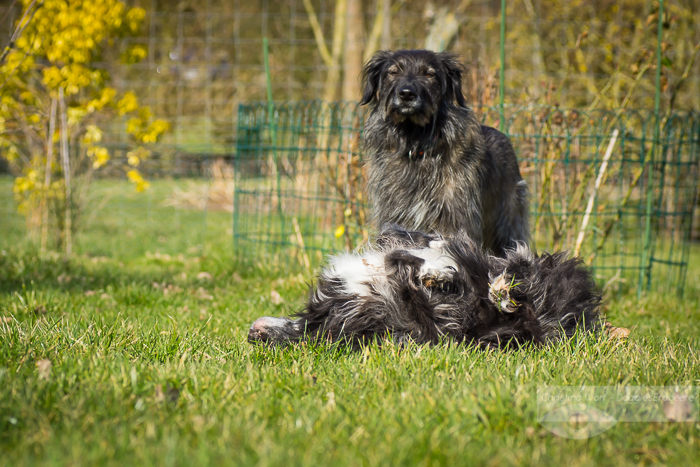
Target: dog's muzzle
[[406, 100], [407, 103]]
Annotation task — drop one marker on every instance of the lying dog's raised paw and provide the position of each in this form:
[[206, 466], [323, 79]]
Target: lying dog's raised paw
[[438, 278]]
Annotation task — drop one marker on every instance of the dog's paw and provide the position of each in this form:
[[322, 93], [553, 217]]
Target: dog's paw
[[269, 329], [440, 278]]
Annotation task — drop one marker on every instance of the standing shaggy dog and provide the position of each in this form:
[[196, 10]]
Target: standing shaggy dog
[[432, 166], [413, 286]]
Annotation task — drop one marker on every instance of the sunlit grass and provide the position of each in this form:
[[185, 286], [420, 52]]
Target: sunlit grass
[[149, 364]]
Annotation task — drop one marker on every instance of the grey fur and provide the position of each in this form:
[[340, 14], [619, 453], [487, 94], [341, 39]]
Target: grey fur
[[432, 166]]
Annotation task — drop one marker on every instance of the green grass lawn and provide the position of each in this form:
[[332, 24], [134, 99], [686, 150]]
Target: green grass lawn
[[134, 352]]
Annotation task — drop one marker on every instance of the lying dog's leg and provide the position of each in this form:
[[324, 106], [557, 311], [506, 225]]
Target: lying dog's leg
[[403, 270], [438, 267], [275, 330], [439, 277]]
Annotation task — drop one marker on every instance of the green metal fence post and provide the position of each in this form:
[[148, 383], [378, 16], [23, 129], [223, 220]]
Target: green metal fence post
[[236, 165], [273, 130], [503, 63], [646, 257]]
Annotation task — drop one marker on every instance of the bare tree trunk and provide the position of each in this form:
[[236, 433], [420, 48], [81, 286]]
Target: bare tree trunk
[[47, 175], [354, 46], [445, 26], [333, 76], [386, 24], [330, 58], [443, 30], [381, 29], [67, 228]]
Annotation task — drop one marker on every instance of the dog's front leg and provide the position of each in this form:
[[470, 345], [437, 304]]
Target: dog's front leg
[[276, 330], [417, 316]]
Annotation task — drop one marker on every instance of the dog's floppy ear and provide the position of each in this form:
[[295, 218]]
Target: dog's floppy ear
[[371, 75], [453, 78]]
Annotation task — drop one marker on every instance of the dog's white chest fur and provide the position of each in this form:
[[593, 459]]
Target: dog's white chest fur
[[357, 271], [361, 273]]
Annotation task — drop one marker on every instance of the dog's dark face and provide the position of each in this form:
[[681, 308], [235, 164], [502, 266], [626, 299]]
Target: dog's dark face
[[412, 85]]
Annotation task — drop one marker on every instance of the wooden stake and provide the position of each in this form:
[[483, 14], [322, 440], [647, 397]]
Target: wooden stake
[[591, 199]]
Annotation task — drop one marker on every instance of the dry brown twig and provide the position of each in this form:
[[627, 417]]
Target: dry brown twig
[[302, 246]]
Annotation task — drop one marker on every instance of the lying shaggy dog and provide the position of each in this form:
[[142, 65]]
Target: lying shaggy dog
[[432, 166], [422, 288]]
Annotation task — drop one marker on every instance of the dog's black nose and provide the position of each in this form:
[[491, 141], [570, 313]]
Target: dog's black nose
[[407, 94]]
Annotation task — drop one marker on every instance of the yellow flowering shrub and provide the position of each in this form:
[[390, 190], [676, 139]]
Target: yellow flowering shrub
[[127, 104], [57, 48], [135, 176]]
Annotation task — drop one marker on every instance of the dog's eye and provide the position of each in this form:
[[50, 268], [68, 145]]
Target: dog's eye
[[393, 72], [430, 73]]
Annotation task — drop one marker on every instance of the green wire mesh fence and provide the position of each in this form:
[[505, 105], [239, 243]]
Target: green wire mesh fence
[[602, 185]]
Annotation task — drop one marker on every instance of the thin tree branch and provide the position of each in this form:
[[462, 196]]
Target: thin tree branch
[[20, 27], [375, 34], [684, 76], [318, 33], [9, 9], [12, 73]]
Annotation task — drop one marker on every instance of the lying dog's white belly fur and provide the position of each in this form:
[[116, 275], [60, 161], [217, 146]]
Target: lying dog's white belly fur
[[361, 273]]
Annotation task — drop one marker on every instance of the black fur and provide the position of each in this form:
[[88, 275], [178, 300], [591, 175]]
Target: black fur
[[432, 166], [413, 286]]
